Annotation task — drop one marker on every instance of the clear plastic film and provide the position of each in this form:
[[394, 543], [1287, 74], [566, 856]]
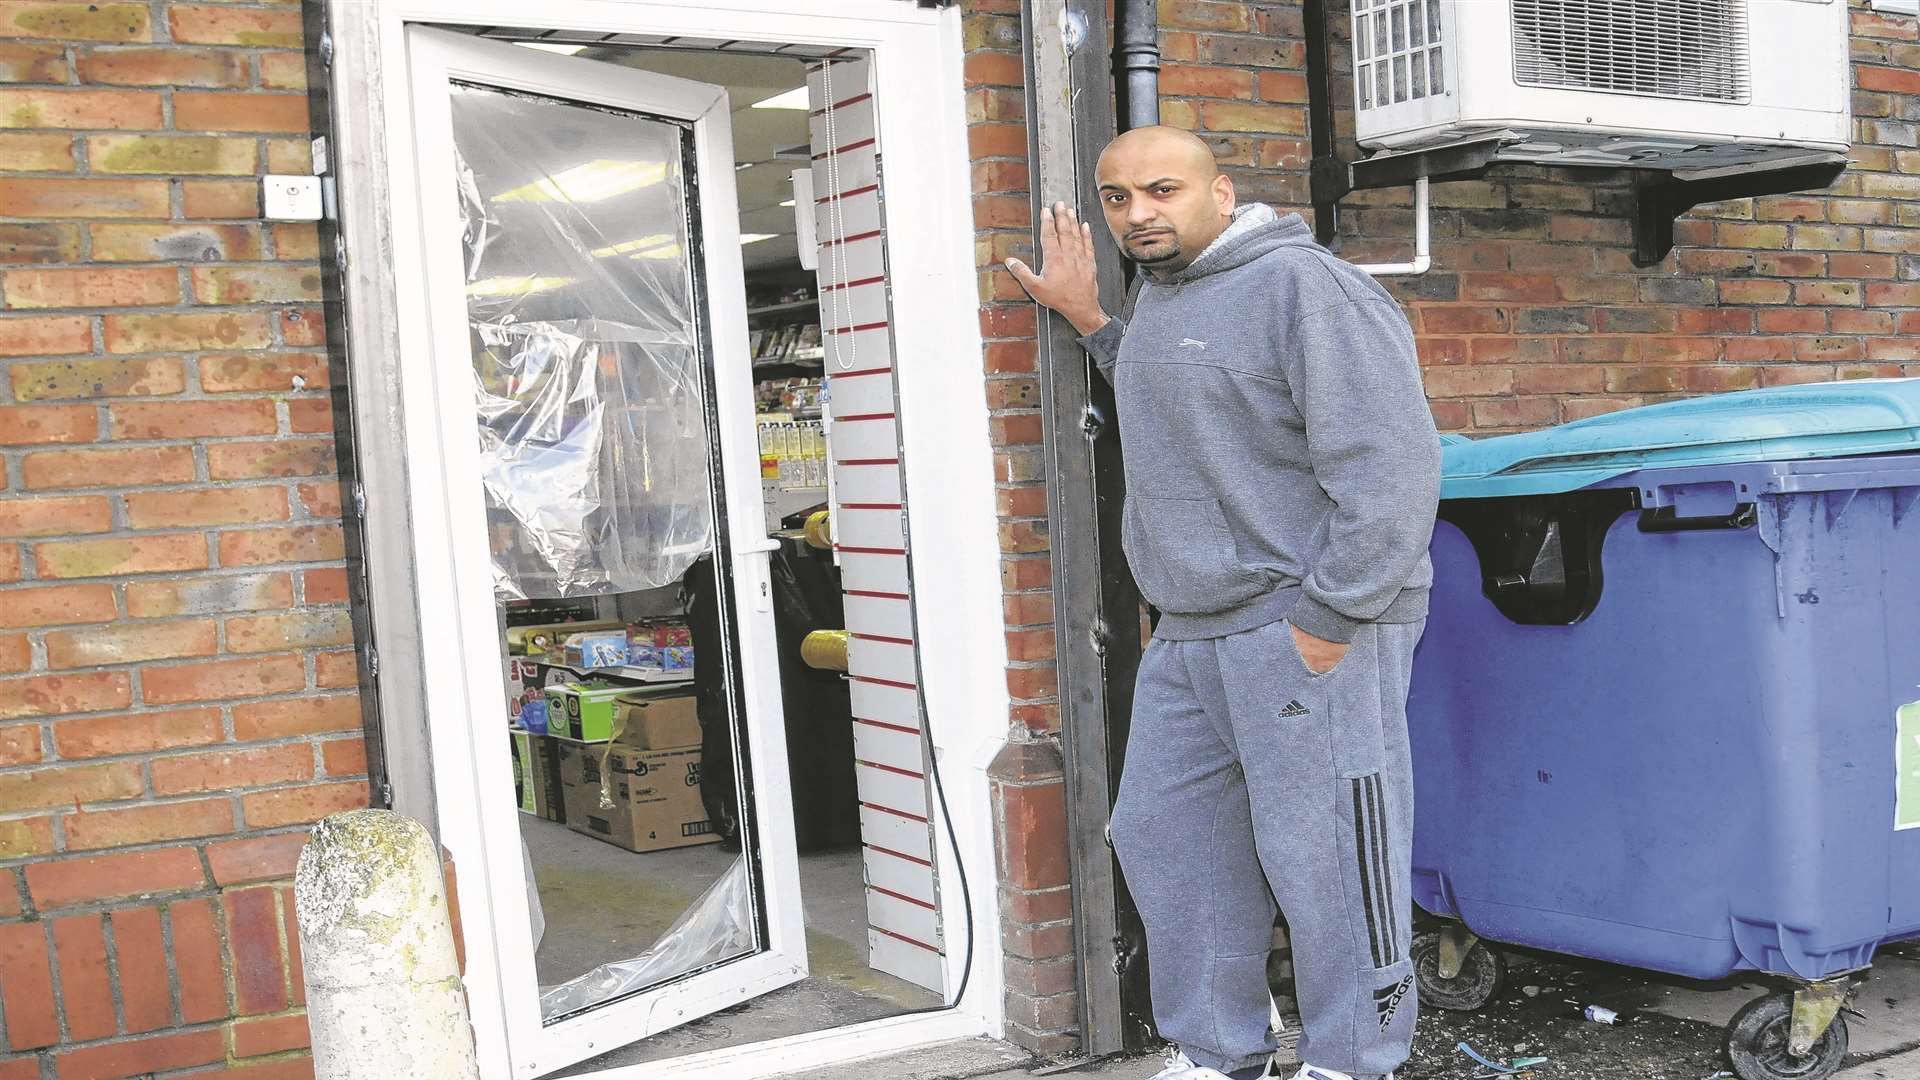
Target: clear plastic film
[[717, 926], [587, 367]]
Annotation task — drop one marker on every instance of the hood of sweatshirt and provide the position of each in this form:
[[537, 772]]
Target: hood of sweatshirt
[[1256, 229]]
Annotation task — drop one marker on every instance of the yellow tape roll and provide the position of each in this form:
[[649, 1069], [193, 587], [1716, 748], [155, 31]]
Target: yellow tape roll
[[825, 650], [819, 530]]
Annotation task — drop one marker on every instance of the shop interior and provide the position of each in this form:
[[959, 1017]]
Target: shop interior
[[615, 616]]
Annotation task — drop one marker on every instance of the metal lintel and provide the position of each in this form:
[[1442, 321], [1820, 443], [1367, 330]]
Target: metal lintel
[[1070, 106], [1455, 161], [1660, 198], [347, 108]]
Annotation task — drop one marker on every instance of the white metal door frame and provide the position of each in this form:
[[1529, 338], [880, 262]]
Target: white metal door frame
[[944, 431]]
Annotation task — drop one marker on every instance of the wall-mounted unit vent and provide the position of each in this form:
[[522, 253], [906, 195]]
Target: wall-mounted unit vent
[[1657, 48]]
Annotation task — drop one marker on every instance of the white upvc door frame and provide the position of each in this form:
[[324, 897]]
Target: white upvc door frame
[[469, 761], [946, 447]]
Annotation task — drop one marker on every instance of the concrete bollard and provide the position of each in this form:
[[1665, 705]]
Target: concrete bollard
[[384, 997]]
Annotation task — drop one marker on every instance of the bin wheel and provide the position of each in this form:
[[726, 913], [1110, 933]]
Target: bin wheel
[[1480, 975], [1757, 1043]]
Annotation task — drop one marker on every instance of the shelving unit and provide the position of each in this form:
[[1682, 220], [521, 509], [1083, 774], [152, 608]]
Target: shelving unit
[[653, 676]]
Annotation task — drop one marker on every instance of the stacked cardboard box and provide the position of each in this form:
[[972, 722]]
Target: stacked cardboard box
[[639, 789]]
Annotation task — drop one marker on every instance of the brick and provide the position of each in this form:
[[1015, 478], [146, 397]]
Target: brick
[[299, 240], [256, 858], [296, 968], [290, 1068], [57, 605], [1246, 116], [148, 824], [26, 986], [253, 943], [1904, 294], [171, 66], [139, 1057], [68, 379], [296, 716], [1538, 288], [45, 335], [255, 285], [344, 757], [234, 372], [24, 63], [191, 332], [30, 243], [1792, 321], [222, 679], [1515, 413], [254, 111], [138, 110], [1559, 380], [1644, 380], [26, 838], [269, 1035], [174, 243], [220, 199], [308, 543], [302, 805], [993, 69], [137, 733], [220, 25], [131, 643], [1862, 322], [1754, 292], [140, 955], [280, 633], [1758, 348], [208, 594], [997, 140], [111, 877], [74, 21], [230, 770], [172, 155], [92, 287], [118, 556], [67, 785], [321, 500], [35, 153], [192, 420], [283, 71], [34, 197], [310, 416], [210, 506], [1033, 848], [336, 670], [1720, 378], [1213, 82], [20, 744], [276, 457], [1468, 382], [52, 695], [10, 906], [197, 952], [16, 655], [10, 563], [1033, 683], [24, 425]]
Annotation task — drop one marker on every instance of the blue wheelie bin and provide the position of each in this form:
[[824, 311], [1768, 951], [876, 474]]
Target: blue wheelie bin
[[1667, 709]]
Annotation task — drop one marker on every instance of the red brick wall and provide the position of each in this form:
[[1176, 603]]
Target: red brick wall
[[176, 679], [1533, 314]]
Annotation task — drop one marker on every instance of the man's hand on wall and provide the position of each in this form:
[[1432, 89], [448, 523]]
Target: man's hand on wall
[[1067, 283]]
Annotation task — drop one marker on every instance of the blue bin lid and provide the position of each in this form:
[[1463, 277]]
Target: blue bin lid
[[1783, 423]]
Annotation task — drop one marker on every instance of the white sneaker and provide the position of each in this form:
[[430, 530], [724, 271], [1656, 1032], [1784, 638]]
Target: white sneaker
[[1181, 1067], [1314, 1072]]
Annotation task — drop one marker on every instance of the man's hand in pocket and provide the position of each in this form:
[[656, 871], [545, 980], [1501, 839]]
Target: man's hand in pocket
[[1320, 656]]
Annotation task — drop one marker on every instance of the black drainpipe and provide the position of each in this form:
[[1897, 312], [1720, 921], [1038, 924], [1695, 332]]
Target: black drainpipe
[[1136, 58]]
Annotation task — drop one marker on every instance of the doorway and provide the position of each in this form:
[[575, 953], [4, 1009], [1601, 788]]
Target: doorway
[[688, 741]]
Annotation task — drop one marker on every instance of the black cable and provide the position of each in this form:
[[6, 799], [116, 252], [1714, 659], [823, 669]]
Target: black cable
[[960, 866]]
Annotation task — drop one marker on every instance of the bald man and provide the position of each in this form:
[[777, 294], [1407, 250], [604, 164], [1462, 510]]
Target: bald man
[[1282, 478]]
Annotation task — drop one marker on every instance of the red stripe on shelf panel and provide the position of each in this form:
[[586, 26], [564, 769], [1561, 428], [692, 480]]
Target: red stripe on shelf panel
[[914, 900], [863, 416], [901, 728], [871, 595], [873, 506], [855, 284], [844, 149], [857, 329], [854, 100], [885, 640], [883, 682], [854, 239], [891, 768], [899, 854], [895, 813], [844, 549], [849, 193], [905, 938], [857, 374], [869, 461]]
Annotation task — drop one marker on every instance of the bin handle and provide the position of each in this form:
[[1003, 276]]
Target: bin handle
[[1662, 519]]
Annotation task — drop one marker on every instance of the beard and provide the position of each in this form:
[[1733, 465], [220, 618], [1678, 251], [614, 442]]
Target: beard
[[1154, 250]]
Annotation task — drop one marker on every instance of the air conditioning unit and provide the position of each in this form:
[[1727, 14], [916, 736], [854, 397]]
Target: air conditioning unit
[[1688, 85]]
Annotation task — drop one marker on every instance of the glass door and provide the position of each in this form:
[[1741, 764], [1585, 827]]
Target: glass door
[[625, 849]]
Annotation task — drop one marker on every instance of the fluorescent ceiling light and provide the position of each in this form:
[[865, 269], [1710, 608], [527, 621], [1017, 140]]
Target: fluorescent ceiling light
[[628, 247], [524, 285], [591, 182], [756, 237], [795, 98], [554, 47]]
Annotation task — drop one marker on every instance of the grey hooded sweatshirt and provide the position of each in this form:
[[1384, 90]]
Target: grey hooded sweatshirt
[[1281, 459]]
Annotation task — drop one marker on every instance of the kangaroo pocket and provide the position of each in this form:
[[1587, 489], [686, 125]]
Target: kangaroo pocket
[[1183, 557]]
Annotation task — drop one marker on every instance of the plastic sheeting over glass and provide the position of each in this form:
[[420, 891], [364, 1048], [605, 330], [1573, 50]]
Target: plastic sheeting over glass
[[587, 366]]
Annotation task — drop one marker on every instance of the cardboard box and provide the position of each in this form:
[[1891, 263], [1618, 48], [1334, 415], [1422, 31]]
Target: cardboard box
[[657, 721], [536, 776], [655, 795], [582, 711]]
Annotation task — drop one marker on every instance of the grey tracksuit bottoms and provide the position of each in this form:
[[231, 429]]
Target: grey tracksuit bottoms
[[1251, 780]]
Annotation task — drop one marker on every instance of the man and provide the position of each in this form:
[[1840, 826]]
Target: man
[[1282, 478]]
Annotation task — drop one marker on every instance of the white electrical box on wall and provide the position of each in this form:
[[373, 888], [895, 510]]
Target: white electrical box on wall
[[1685, 85]]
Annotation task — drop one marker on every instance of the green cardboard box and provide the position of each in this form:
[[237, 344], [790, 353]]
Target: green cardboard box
[[583, 710], [536, 776]]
